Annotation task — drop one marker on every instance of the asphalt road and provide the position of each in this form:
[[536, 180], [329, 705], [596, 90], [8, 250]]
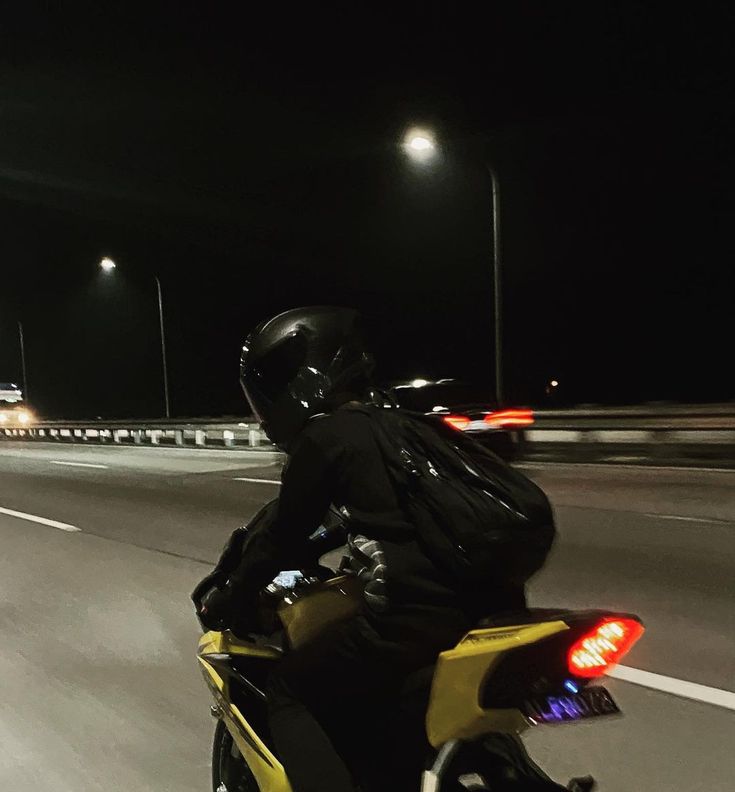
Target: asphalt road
[[100, 690]]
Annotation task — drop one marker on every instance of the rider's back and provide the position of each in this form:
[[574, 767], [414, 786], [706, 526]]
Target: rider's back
[[403, 586]]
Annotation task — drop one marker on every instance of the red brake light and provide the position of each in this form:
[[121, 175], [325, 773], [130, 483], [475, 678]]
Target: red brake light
[[509, 418], [603, 647], [460, 422]]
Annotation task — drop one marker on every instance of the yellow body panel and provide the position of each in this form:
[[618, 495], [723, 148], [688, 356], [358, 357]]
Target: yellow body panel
[[268, 771], [326, 604], [454, 708], [454, 711], [214, 680], [227, 643], [303, 618]]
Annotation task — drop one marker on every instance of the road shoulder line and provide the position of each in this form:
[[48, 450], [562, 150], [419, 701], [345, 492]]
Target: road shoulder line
[[619, 466], [677, 687], [41, 520], [255, 480], [78, 464]]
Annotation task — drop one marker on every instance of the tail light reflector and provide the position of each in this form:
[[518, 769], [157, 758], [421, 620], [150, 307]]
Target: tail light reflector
[[509, 418], [460, 422], [603, 647]]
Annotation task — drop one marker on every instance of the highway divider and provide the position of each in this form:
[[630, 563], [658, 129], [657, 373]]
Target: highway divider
[[194, 435], [652, 432]]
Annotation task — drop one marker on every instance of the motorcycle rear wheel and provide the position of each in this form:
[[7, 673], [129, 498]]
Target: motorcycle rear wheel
[[500, 763], [230, 772]]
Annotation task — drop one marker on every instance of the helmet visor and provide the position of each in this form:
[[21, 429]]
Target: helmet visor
[[266, 378]]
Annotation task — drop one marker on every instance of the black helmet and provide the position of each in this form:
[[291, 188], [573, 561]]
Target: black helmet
[[301, 363]]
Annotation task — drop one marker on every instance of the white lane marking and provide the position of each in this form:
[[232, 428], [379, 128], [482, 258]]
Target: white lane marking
[[78, 464], [196, 450], [677, 687], [686, 519], [42, 520], [710, 520], [216, 451], [256, 480], [608, 465]]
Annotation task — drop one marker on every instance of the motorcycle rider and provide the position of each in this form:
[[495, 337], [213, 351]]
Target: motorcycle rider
[[306, 373]]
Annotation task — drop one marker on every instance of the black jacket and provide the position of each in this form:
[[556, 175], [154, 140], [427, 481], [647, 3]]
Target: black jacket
[[336, 460]]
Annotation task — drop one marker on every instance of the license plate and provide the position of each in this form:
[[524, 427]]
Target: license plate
[[589, 703]]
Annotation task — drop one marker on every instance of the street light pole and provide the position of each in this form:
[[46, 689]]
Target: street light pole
[[23, 360], [163, 348], [497, 287], [420, 146], [108, 266]]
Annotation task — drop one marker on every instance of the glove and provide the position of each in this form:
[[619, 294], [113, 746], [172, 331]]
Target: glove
[[215, 579], [215, 608]]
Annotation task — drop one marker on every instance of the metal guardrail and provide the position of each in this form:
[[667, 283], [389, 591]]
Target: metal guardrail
[[195, 436], [694, 425], [651, 410], [709, 418], [641, 436], [647, 424]]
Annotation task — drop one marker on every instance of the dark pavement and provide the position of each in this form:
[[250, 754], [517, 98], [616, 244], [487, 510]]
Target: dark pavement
[[101, 690]]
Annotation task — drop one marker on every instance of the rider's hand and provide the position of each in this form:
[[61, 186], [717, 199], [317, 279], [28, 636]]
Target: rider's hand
[[215, 608], [212, 580]]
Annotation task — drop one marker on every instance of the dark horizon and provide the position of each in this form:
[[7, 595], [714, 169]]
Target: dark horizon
[[254, 169]]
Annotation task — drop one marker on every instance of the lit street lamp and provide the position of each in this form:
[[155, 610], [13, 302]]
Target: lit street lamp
[[107, 265], [420, 146]]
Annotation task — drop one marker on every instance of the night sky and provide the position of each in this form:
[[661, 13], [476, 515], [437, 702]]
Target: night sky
[[251, 160]]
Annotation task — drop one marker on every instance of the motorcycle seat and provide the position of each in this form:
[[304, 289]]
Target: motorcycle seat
[[530, 616]]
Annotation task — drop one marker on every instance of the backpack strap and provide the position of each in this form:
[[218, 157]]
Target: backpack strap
[[401, 467], [393, 524]]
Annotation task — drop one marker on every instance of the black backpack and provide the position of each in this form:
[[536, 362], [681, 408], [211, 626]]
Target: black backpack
[[475, 517]]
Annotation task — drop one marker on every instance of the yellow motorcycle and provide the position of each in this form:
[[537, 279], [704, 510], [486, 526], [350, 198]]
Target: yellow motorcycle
[[533, 668]]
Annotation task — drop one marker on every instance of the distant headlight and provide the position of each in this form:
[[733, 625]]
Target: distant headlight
[[24, 418]]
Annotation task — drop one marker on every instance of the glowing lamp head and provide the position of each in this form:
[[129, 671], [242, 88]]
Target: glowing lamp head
[[419, 144], [107, 265]]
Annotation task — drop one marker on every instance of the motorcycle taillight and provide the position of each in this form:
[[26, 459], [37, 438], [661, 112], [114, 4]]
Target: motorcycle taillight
[[603, 647]]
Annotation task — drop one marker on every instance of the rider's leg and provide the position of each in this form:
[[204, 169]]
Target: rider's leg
[[307, 753], [332, 702], [311, 698]]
